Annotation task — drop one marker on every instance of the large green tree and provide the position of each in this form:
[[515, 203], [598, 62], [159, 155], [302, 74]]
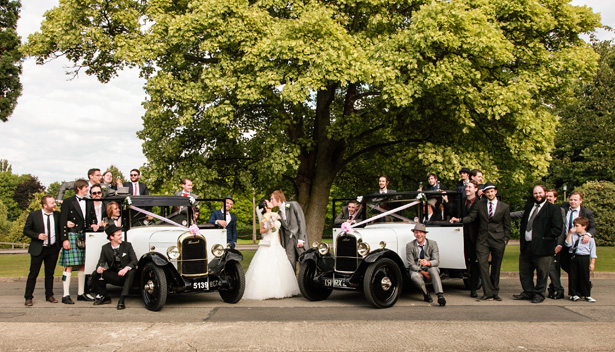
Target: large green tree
[[585, 142], [10, 57], [290, 94]]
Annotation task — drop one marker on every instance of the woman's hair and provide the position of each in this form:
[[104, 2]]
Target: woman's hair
[[112, 178], [263, 205], [110, 208]]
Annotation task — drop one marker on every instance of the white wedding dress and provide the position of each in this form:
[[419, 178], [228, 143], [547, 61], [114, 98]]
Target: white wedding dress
[[270, 274]]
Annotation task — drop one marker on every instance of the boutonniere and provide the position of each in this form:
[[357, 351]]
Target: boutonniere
[[104, 188], [287, 206], [127, 202]]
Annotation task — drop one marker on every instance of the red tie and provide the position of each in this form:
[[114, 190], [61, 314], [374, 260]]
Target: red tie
[[134, 187], [185, 194]]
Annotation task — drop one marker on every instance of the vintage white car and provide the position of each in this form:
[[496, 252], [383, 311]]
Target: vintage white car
[[372, 257], [171, 259]]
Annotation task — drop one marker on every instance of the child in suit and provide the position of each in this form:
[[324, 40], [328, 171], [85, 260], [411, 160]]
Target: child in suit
[[582, 261]]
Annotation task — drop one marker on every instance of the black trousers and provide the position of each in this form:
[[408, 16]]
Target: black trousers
[[472, 266], [110, 276], [491, 280], [578, 279], [48, 256], [528, 264], [555, 274]]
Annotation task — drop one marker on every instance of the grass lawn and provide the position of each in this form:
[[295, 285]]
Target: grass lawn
[[17, 265]]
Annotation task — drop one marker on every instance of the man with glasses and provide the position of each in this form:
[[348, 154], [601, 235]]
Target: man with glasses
[[99, 208], [136, 188]]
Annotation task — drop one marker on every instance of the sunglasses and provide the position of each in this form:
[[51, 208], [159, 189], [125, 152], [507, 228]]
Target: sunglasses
[[96, 193], [134, 174]]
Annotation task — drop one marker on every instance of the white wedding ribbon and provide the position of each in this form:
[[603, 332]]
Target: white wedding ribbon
[[193, 228], [349, 228]]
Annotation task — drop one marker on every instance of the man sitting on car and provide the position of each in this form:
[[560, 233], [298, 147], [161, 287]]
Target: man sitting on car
[[116, 266], [423, 256]]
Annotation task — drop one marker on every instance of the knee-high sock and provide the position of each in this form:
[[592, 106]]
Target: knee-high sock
[[66, 283], [80, 282]]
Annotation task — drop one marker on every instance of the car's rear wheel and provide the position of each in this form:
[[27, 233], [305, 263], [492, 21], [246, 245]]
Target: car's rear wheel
[[382, 283], [153, 287], [237, 283], [309, 290]]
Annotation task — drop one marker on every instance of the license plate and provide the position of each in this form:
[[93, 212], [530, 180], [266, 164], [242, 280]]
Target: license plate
[[200, 285], [334, 283]]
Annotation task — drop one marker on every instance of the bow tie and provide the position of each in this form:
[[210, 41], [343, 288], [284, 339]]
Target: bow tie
[[79, 199]]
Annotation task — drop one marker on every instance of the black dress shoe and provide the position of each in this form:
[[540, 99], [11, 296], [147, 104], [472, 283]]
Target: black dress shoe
[[120, 304], [441, 300], [28, 303], [427, 298], [521, 297], [559, 295], [485, 298], [85, 298], [103, 300], [67, 300], [473, 293], [497, 298], [537, 299]]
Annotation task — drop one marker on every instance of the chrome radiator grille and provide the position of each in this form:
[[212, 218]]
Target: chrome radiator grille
[[346, 257], [193, 255]]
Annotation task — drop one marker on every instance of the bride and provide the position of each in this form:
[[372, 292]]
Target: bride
[[270, 275]]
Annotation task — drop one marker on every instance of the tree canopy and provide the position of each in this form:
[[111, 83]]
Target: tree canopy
[[290, 94], [10, 58]]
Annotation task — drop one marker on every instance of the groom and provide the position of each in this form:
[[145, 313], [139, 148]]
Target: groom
[[293, 232]]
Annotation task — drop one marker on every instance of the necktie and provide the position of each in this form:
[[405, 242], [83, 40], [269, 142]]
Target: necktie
[[134, 187], [570, 220], [79, 199], [421, 253], [530, 222], [490, 210], [185, 194], [48, 229]]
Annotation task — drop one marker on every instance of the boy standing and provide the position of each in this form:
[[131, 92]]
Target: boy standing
[[582, 260]]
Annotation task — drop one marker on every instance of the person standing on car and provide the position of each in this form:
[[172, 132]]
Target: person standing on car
[[74, 220], [493, 217], [383, 184], [349, 213], [186, 191], [136, 188], [225, 219], [423, 256], [43, 228], [116, 266]]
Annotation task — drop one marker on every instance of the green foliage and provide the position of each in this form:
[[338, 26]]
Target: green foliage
[[10, 58], [8, 185], [585, 142], [273, 94], [599, 196], [26, 189]]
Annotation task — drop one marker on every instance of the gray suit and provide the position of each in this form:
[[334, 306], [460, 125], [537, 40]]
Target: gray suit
[[432, 254], [293, 229]]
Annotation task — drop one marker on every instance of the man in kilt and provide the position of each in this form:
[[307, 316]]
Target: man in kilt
[[75, 218]]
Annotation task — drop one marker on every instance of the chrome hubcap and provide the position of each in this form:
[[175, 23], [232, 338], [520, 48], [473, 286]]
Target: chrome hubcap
[[149, 287], [385, 283]]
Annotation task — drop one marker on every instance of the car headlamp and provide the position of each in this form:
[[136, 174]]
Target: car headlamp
[[173, 252], [217, 250], [323, 248], [383, 244], [363, 249]]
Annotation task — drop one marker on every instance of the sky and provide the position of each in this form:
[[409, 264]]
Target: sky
[[62, 127]]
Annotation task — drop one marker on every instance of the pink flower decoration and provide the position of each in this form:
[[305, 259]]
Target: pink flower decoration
[[346, 227], [194, 229]]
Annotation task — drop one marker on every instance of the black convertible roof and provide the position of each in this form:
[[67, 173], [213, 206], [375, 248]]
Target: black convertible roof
[[143, 201]]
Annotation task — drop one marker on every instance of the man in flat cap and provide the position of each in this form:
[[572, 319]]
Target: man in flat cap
[[493, 234], [423, 256], [117, 265]]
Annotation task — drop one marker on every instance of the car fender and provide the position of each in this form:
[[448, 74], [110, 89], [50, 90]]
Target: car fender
[[324, 263], [174, 279], [372, 257], [216, 265]]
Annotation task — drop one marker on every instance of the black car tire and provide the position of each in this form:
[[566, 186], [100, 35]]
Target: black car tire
[[156, 296], [311, 292], [378, 296], [237, 282]]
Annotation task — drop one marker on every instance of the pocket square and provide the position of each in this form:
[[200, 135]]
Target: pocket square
[[124, 254]]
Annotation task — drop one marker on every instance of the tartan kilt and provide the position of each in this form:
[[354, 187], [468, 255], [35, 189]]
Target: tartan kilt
[[75, 256]]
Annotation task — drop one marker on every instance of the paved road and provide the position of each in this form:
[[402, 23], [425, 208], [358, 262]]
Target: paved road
[[343, 322]]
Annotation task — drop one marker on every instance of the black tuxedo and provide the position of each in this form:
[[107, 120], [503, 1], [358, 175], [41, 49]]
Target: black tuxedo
[[493, 235], [40, 253], [142, 188], [126, 257], [537, 253], [71, 211], [470, 236]]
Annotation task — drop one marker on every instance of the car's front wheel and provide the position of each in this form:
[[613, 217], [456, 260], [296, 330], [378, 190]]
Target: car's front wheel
[[309, 290], [237, 283], [153, 287], [382, 283]]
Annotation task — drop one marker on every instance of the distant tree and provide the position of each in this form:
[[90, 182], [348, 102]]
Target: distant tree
[[599, 196], [25, 190], [585, 141], [5, 166], [8, 184], [10, 57]]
